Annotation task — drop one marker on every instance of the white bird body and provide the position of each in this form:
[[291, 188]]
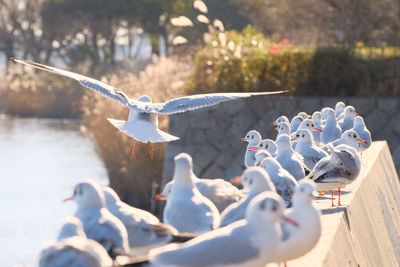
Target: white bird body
[[349, 138], [295, 123], [288, 158], [285, 184], [363, 132], [331, 130], [219, 191], [252, 137], [187, 209], [348, 118], [339, 108], [317, 119], [98, 223], [255, 181], [282, 128], [306, 147], [73, 249], [142, 124], [299, 240], [144, 229], [246, 243]]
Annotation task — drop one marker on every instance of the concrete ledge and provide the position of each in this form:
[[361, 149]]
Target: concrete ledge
[[365, 231]]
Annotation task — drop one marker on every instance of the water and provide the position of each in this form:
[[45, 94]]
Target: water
[[40, 162]]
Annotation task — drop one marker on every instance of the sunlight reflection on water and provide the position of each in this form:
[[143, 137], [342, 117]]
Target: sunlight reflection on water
[[40, 161]]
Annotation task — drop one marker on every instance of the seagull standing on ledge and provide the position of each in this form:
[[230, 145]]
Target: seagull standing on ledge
[[142, 123]]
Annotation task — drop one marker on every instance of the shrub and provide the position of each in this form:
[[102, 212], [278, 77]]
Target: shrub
[[247, 61]]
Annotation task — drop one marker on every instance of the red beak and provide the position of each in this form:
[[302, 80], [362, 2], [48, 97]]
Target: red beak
[[290, 221], [159, 197], [318, 129], [361, 141], [253, 148], [237, 180], [244, 139], [68, 199]]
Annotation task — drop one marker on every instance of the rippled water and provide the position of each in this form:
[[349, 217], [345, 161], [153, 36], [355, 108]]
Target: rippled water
[[40, 161]]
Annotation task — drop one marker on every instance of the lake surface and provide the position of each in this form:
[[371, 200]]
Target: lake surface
[[40, 162]]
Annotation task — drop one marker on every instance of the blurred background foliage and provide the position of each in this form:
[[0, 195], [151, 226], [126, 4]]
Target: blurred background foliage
[[167, 48]]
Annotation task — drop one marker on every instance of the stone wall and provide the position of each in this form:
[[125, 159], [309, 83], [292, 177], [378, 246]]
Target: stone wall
[[212, 136]]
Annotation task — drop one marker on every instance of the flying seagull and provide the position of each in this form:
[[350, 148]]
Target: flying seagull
[[142, 122]]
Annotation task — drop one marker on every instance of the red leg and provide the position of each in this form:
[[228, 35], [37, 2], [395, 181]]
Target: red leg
[[339, 197], [333, 204], [151, 151], [285, 264], [132, 151]]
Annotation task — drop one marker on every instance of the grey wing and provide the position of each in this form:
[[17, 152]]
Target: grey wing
[[186, 103], [104, 89], [235, 245], [234, 212], [64, 255]]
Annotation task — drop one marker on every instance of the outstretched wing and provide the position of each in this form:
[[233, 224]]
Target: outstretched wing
[[104, 89], [186, 103]]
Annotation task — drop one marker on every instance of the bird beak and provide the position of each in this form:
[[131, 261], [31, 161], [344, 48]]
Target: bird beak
[[244, 139], [160, 197], [361, 141], [318, 129], [290, 221], [293, 138], [273, 124], [276, 128], [356, 114], [253, 148], [68, 199], [237, 180]]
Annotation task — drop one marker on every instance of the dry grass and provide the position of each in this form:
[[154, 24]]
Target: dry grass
[[133, 178]]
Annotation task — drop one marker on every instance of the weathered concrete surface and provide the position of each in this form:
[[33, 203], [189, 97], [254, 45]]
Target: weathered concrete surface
[[212, 135], [366, 230]]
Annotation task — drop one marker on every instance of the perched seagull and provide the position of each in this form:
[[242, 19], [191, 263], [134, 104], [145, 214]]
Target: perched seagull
[[72, 248], [348, 118], [265, 144], [323, 114], [339, 108], [363, 132], [98, 223], [317, 119], [144, 229], [142, 123], [255, 181], [282, 128], [219, 191], [331, 130], [279, 120], [250, 242], [299, 240], [187, 209], [350, 138], [339, 169], [253, 137], [307, 124], [285, 184], [307, 148], [295, 123], [288, 158]]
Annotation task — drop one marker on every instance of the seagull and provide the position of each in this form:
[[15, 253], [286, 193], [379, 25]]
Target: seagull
[[339, 169], [282, 128], [339, 108], [219, 191], [348, 118], [250, 242], [187, 209], [144, 229], [252, 137], [295, 123], [142, 123], [265, 144], [307, 124], [262, 154], [331, 130], [288, 158], [307, 148], [279, 120], [285, 184], [304, 115], [350, 138], [98, 223], [255, 180], [299, 240], [72, 248], [363, 132], [317, 119]]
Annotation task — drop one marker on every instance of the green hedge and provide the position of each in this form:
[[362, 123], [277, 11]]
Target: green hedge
[[248, 61]]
